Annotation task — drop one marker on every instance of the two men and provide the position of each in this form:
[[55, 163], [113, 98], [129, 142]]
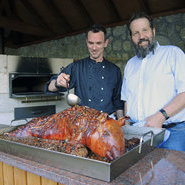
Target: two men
[[153, 86], [154, 83]]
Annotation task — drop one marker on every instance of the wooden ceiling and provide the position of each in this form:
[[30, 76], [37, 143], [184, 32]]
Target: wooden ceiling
[[24, 22]]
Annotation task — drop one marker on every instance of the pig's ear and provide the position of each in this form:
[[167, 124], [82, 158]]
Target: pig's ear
[[122, 121]]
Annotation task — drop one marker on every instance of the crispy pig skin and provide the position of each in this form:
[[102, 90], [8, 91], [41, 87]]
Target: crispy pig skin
[[80, 124]]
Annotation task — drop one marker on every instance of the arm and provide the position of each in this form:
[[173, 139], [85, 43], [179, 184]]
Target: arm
[[125, 115], [119, 114], [175, 106], [118, 103], [125, 108]]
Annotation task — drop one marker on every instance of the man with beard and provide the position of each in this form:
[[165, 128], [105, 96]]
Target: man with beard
[[154, 83], [96, 81]]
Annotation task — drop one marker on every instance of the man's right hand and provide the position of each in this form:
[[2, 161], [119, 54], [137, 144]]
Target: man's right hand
[[63, 80]]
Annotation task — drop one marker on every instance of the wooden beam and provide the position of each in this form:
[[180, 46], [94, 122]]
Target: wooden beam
[[31, 13], [19, 26], [154, 15], [49, 16], [60, 16], [112, 5], [6, 7], [1, 8], [168, 13], [84, 11], [1, 41], [159, 14], [144, 6]]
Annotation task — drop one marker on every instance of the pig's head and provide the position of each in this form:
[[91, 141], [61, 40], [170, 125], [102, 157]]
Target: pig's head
[[107, 140]]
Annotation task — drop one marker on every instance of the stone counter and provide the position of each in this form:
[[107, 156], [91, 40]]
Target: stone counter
[[158, 167]]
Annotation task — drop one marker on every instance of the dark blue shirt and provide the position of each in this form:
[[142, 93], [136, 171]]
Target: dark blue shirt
[[97, 84]]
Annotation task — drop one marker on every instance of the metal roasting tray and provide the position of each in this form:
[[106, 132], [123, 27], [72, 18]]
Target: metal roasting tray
[[89, 167]]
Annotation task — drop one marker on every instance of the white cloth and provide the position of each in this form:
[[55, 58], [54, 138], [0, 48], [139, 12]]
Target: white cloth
[[142, 123], [112, 116], [139, 124], [151, 83]]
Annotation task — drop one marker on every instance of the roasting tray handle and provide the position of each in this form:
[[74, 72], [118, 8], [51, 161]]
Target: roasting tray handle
[[17, 120], [142, 137]]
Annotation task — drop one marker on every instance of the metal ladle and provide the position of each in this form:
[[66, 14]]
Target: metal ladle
[[72, 99]]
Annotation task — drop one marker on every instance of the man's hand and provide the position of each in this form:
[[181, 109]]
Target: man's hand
[[63, 79], [119, 114], [156, 120]]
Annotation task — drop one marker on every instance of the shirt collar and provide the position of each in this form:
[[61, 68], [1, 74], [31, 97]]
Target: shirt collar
[[94, 62], [157, 46]]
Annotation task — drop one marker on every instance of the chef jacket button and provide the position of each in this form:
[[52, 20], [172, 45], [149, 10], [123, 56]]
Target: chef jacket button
[[102, 88], [101, 100], [89, 99], [103, 66], [102, 77]]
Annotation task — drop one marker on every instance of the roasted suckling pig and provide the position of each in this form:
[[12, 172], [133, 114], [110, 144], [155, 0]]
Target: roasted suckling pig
[[79, 125]]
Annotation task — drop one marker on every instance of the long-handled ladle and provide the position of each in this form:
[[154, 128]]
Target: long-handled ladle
[[72, 99]]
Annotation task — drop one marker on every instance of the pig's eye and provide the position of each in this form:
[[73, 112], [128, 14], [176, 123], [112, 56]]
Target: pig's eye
[[106, 133]]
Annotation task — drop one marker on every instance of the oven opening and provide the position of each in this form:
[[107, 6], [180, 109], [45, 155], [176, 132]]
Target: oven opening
[[28, 85]]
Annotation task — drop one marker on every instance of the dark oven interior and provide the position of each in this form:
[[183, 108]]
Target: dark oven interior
[[28, 85]]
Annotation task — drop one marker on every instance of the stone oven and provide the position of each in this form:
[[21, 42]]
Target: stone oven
[[22, 87]]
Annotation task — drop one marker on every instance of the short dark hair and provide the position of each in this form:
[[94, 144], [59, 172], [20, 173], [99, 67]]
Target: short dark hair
[[137, 16], [97, 28]]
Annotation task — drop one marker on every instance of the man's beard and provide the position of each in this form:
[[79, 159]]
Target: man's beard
[[142, 52]]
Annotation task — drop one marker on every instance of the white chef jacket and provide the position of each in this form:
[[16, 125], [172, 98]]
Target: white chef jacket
[[151, 83]]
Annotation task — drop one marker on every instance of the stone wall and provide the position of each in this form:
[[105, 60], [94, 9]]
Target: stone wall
[[170, 30]]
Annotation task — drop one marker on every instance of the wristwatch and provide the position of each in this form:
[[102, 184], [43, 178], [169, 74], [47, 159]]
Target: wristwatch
[[56, 85], [164, 113]]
